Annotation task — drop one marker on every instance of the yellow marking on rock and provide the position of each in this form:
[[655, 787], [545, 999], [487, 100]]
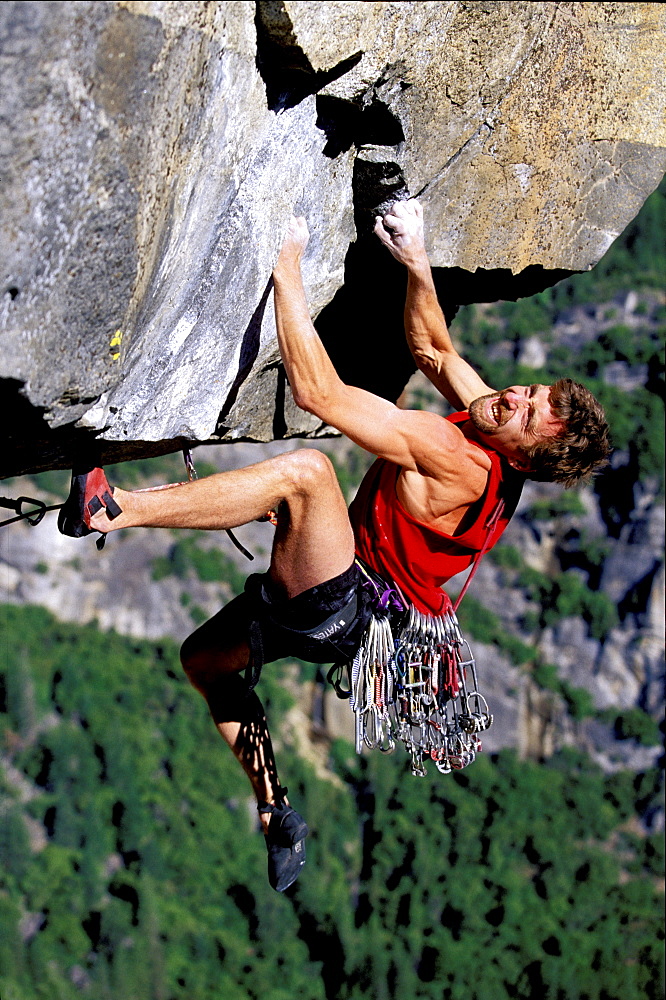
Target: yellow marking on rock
[[116, 341]]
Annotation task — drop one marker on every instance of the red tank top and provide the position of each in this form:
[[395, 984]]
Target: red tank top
[[419, 558]]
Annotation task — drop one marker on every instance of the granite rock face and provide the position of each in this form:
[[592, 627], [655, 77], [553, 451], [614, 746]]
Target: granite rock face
[[153, 152]]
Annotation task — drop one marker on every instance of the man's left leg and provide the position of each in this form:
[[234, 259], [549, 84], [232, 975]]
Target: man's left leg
[[213, 657], [313, 544]]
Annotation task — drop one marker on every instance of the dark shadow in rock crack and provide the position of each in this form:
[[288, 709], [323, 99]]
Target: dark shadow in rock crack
[[285, 69], [31, 445], [494, 284], [248, 355], [377, 185], [346, 124], [279, 418], [362, 327]]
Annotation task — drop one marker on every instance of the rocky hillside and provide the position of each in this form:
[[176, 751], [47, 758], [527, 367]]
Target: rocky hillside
[[154, 152]]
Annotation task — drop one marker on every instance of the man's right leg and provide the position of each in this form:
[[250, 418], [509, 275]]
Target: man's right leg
[[314, 540]]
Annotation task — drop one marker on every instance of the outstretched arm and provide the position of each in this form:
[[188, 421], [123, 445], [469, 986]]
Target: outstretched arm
[[401, 231]]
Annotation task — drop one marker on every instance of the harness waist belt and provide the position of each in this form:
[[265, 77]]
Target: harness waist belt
[[332, 626]]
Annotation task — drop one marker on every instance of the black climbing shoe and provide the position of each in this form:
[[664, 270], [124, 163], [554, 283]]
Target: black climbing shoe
[[285, 843], [89, 493]]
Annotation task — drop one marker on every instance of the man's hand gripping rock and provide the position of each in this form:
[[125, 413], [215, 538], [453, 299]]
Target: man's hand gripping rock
[[401, 232], [293, 246]]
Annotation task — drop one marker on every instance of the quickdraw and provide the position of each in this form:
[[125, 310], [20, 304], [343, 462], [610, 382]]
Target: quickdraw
[[419, 688], [33, 517]]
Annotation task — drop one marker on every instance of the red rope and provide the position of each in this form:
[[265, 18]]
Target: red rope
[[491, 525]]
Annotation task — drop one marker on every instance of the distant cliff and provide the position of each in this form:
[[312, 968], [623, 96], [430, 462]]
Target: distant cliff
[[154, 151]]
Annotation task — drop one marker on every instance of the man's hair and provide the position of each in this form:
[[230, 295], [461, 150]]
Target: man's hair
[[582, 447]]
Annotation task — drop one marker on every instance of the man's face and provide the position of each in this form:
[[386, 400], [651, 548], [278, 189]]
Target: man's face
[[515, 419]]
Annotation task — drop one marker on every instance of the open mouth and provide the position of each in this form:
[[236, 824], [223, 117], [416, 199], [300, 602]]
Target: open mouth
[[490, 412], [498, 412]]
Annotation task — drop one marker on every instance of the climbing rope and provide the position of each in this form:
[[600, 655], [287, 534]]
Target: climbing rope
[[33, 517]]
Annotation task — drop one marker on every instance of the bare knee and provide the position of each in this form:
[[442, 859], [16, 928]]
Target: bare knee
[[204, 665], [192, 661], [200, 663], [216, 676], [311, 472]]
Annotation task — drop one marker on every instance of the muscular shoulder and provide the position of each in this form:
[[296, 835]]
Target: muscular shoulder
[[451, 475], [445, 451]]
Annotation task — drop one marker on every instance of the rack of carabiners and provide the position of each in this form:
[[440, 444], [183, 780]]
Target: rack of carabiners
[[420, 689]]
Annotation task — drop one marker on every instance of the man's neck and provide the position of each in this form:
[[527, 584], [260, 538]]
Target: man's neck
[[487, 443]]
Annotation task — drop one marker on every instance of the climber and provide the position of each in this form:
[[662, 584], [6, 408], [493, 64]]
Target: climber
[[419, 518]]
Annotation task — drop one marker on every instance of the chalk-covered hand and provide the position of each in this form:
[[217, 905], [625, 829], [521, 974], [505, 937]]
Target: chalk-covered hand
[[294, 243], [401, 230]]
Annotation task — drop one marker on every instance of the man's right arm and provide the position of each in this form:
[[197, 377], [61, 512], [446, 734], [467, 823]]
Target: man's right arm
[[401, 231]]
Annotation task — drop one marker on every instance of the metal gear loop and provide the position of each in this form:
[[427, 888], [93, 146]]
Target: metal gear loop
[[419, 688]]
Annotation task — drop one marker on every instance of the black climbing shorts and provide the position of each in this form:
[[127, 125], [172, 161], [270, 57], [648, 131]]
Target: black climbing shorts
[[324, 624]]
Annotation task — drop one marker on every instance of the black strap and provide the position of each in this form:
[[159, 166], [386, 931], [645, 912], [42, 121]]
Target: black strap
[[112, 508], [269, 807], [256, 662], [336, 677], [239, 545], [191, 476]]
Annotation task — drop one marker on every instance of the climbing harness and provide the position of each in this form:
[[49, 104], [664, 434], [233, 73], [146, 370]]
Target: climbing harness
[[314, 643], [414, 678]]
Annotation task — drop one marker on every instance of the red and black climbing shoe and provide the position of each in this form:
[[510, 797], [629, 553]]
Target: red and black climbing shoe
[[285, 843], [88, 494]]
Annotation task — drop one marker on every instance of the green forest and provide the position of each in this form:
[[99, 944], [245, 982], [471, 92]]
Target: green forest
[[133, 868], [514, 879]]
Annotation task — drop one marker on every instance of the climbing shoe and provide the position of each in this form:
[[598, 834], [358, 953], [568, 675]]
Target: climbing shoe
[[89, 493], [285, 843]]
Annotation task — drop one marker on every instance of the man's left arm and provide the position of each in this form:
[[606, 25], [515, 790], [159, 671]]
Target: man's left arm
[[401, 232]]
